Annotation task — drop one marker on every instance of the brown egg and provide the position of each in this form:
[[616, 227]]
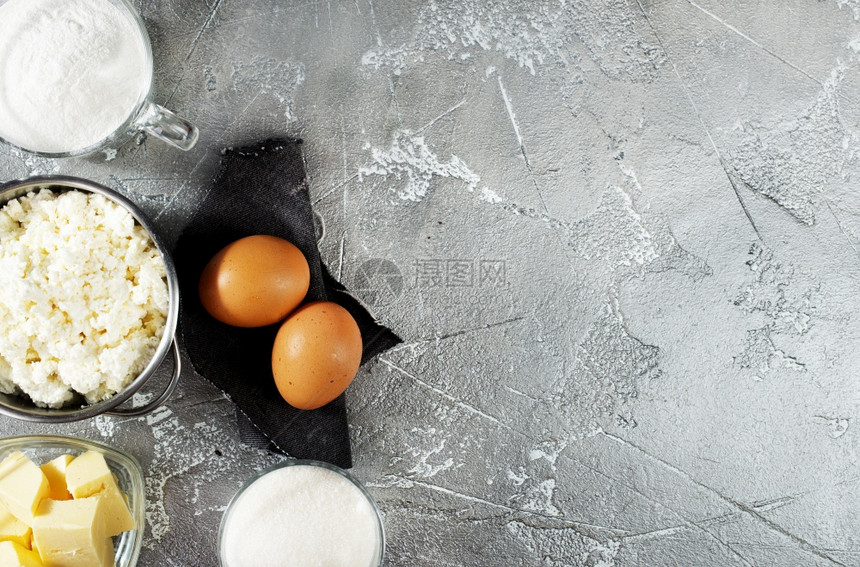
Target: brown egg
[[254, 281], [316, 355]]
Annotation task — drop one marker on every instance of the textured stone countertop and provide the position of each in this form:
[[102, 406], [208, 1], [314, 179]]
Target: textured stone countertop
[[620, 239]]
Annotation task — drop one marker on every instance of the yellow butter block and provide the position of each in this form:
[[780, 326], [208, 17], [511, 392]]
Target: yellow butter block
[[14, 530], [55, 472], [71, 533], [15, 555], [117, 516], [109, 554], [23, 485], [88, 475]]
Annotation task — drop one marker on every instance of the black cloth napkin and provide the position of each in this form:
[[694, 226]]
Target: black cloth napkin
[[262, 189]]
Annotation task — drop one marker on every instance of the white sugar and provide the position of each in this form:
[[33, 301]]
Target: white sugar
[[300, 516]]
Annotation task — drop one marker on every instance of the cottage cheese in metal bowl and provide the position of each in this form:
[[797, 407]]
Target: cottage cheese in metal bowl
[[88, 298]]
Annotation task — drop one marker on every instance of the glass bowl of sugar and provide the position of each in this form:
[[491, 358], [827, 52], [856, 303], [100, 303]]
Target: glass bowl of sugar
[[301, 512]]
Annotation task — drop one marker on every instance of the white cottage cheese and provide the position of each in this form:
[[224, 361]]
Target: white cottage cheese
[[83, 297]]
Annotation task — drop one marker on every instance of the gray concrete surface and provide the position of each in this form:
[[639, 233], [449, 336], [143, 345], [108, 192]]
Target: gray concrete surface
[[621, 242]]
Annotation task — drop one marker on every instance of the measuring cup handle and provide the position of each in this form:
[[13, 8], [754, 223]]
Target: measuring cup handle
[[147, 408], [168, 127]]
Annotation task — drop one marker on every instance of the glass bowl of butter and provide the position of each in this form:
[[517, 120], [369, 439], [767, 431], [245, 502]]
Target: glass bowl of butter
[[66, 499]]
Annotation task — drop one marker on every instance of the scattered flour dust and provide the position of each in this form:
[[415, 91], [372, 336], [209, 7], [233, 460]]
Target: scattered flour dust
[[628, 243], [836, 426], [425, 467], [615, 232], [190, 457], [410, 158], [562, 545], [787, 299], [105, 425], [36, 164], [71, 73], [179, 447], [271, 77], [533, 485], [794, 163], [529, 37], [533, 33], [490, 196], [536, 496], [549, 451], [853, 5]]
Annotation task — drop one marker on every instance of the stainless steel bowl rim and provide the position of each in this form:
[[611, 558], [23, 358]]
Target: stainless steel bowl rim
[[17, 188]]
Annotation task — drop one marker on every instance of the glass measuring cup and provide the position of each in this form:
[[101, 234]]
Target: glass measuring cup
[[27, 115]]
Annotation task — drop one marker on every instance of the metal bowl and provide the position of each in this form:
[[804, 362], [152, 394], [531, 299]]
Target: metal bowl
[[21, 407]]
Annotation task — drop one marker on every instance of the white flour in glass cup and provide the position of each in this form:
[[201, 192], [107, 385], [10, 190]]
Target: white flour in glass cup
[[76, 73]]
